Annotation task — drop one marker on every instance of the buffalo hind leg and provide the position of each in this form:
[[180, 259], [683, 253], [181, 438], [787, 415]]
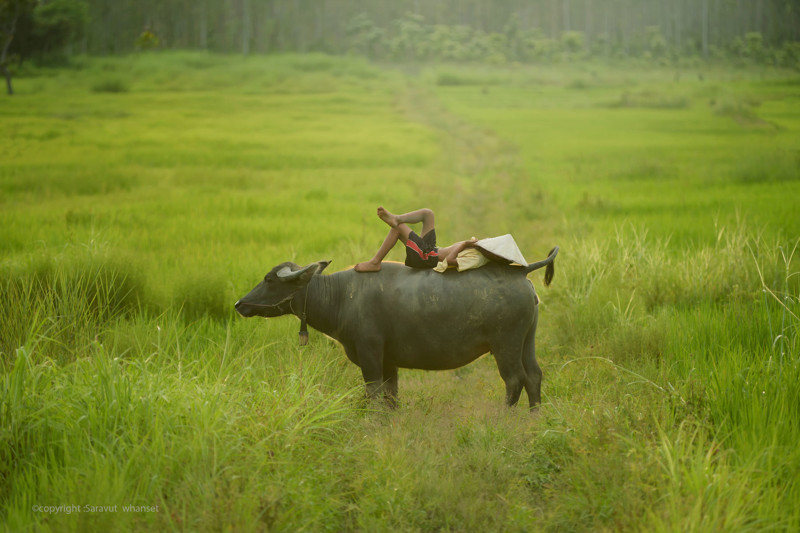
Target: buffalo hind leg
[[509, 362], [533, 386]]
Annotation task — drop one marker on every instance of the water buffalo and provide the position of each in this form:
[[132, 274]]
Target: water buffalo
[[402, 317]]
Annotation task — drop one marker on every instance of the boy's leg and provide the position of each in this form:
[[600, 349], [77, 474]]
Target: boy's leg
[[425, 216], [400, 231], [396, 233]]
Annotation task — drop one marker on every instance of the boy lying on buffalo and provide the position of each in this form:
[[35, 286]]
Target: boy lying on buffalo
[[421, 250]]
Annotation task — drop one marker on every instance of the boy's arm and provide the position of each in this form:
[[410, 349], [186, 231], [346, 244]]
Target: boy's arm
[[451, 252]]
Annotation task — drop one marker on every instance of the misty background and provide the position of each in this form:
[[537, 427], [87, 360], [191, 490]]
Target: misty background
[[496, 32]]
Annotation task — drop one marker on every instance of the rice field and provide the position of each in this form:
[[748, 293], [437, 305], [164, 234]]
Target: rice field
[[141, 196]]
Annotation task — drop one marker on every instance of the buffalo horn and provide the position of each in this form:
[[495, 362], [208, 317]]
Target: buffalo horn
[[287, 274]]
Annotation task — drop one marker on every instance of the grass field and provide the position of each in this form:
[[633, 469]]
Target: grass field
[[141, 196]]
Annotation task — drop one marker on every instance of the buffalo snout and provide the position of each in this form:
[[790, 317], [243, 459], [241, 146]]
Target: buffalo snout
[[245, 309], [241, 308]]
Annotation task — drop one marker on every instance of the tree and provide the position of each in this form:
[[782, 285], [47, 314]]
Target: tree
[[364, 37], [38, 27], [11, 11], [57, 24]]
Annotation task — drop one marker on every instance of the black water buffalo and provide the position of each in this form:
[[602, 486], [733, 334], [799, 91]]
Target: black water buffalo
[[402, 317]]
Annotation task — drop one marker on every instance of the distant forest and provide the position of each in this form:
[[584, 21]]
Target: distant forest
[[494, 31]]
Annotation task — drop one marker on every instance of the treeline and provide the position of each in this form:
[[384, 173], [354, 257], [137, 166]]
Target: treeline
[[457, 30]]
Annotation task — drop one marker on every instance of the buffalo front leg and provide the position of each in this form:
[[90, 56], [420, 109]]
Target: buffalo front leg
[[390, 385], [370, 359], [374, 383]]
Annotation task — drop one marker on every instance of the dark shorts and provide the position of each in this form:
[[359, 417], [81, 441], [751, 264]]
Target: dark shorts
[[421, 252]]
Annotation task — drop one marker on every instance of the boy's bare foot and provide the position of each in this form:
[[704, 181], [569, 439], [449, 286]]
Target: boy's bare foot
[[388, 217], [367, 266]]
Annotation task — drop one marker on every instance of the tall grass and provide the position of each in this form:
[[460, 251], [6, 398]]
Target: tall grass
[[721, 344], [173, 420], [68, 299]]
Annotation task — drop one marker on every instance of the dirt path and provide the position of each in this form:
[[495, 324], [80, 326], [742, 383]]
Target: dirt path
[[477, 171]]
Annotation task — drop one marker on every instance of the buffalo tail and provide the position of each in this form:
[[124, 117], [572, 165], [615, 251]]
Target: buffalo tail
[[549, 263]]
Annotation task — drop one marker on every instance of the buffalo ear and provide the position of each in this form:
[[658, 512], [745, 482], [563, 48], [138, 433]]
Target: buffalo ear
[[322, 265], [312, 269]]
